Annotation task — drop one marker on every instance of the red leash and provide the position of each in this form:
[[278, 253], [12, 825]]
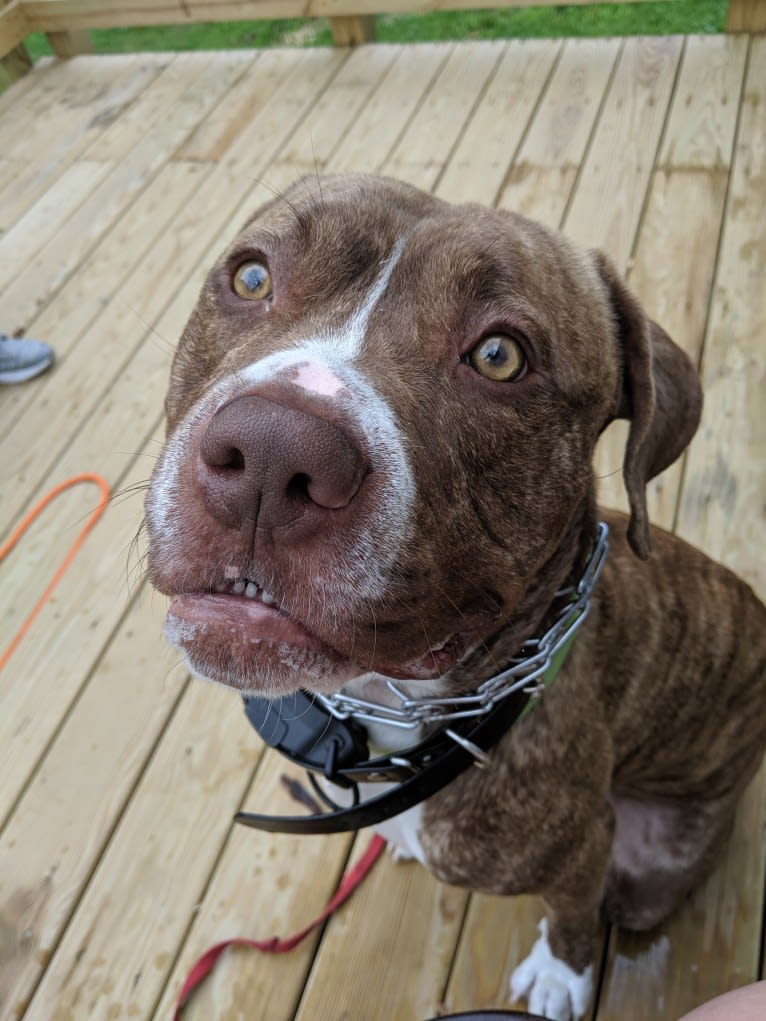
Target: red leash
[[275, 945]]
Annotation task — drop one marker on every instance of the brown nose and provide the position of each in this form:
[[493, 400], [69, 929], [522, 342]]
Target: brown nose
[[273, 464]]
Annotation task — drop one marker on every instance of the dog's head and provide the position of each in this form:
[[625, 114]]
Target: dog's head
[[381, 421]]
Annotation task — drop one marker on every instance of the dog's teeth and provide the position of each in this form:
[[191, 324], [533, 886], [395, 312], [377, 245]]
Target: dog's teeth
[[239, 586], [251, 590], [221, 588], [267, 598]]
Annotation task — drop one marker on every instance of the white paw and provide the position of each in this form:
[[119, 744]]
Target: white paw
[[551, 988]]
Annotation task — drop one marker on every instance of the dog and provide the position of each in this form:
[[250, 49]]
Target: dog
[[381, 422]]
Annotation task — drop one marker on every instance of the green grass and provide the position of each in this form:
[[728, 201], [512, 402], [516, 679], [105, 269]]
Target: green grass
[[661, 18]]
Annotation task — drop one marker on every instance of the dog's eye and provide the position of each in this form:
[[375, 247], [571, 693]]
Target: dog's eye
[[498, 357], [252, 281]]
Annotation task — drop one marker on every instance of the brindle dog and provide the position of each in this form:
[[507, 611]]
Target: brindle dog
[[381, 424]]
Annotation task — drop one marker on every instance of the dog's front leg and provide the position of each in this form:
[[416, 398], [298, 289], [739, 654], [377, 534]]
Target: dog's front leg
[[557, 976]]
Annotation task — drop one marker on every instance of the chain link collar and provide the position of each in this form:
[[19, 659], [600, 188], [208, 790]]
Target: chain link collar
[[527, 670], [324, 734]]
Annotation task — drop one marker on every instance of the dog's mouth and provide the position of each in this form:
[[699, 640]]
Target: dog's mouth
[[238, 634]]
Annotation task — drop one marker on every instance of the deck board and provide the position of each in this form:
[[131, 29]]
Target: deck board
[[119, 862], [674, 258], [65, 135], [478, 166]]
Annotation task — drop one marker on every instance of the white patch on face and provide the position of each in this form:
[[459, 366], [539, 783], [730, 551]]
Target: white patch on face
[[356, 328], [322, 364], [318, 379], [551, 988]]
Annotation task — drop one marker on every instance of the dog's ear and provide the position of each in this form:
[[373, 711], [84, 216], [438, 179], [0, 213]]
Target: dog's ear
[[659, 393]]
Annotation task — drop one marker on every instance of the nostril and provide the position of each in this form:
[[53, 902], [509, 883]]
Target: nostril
[[298, 487], [224, 457], [235, 460]]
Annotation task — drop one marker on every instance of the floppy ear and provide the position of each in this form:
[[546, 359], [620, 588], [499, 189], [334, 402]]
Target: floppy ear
[[659, 393]]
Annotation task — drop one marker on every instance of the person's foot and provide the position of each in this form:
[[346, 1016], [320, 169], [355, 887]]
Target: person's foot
[[22, 358]]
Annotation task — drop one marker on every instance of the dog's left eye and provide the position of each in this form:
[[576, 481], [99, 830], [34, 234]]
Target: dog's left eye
[[498, 357], [252, 281]]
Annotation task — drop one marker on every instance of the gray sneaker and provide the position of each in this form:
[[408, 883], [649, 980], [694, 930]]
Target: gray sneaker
[[21, 358]]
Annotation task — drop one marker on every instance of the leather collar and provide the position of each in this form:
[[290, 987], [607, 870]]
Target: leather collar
[[327, 738], [307, 732]]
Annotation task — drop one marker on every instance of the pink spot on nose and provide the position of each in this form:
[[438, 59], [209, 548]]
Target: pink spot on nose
[[318, 379]]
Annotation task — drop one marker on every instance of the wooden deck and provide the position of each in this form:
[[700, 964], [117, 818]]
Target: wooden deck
[[120, 178]]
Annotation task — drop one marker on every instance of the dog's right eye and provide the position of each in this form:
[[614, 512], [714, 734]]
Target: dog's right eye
[[252, 281], [499, 357]]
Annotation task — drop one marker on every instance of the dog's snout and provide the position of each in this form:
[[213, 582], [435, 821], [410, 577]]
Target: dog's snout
[[274, 464]]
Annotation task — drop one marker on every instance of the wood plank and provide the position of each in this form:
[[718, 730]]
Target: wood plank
[[60, 828], [701, 125], [258, 891], [712, 943], [13, 29], [14, 64], [118, 425], [353, 30], [8, 170], [63, 104], [479, 164], [497, 935], [390, 108], [746, 16], [27, 91], [433, 131], [115, 954], [609, 198], [45, 274], [541, 180], [171, 190], [215, 134], [396, 967], [70, 44], [171, 92], [156, 105], [38, 173], [49, 668], [672, 271], [15, 91], [334, 113], [121, 269], [722, 506], [267, 134], [84, 297], [34, 230]]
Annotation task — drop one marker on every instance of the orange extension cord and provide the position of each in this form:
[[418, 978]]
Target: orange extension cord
[[6, 548]]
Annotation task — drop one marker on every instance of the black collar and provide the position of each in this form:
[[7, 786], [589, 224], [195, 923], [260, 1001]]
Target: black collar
[[420, 772], [334, 744]]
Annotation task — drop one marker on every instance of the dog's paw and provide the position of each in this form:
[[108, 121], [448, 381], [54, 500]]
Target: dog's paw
[[551, 988]]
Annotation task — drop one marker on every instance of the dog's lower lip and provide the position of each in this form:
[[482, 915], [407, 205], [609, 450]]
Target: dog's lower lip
[[215, 617], [261, 621]]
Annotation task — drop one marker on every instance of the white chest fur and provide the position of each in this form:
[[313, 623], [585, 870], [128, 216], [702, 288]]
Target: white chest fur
[[402, 832]]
